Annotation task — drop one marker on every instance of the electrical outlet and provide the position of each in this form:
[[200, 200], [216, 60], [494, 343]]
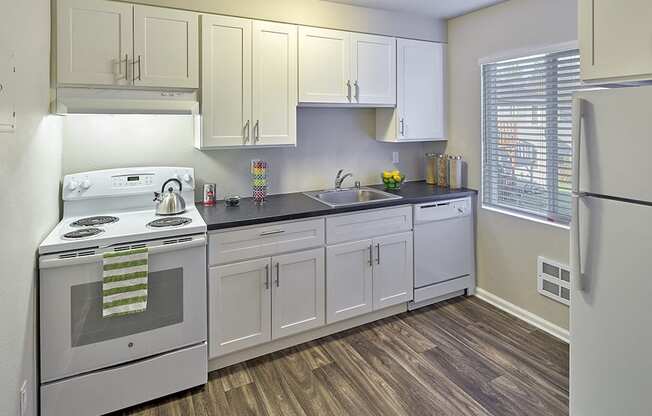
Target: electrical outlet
[[394, 157], [23, 399]]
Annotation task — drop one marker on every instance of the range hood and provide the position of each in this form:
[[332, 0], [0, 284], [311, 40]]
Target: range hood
[[75, 100]]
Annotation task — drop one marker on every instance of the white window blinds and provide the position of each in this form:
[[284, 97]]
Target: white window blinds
[[527, 134]]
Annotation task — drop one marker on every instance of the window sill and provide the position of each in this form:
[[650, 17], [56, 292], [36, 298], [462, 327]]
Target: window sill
[[526, 217]]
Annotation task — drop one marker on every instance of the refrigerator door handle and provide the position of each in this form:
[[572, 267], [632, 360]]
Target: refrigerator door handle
[[578, 120], [576, 247]]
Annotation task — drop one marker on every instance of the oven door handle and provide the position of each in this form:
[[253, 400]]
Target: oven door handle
[[50, 262]]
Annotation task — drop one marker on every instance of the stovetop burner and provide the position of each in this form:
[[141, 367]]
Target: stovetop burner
[[169, 222], [83, 233], [95, 221]]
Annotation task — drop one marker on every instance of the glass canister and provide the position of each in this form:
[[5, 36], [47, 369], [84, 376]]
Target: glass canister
[[431, 168], [455, 172], [259, 180], [442, 170]]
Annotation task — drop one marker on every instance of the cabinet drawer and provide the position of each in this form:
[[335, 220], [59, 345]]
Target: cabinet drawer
[[368, 224], [262, 241]]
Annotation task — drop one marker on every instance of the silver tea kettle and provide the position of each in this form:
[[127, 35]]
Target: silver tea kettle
[[169, 202]]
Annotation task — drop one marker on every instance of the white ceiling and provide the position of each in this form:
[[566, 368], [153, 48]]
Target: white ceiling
[[444, 9]]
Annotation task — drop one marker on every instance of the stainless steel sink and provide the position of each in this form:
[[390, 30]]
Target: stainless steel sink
[[350, 196]]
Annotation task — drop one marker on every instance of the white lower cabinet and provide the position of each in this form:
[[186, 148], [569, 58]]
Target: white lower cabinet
[[298, 285], [368, 275], [255, 301], [240, 306], [393, 270], [298, 292], [348, 280]]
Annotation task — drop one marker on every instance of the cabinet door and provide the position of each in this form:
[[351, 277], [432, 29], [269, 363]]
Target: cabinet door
[[615, 39], [239, 305], [373, 69], [324, 66], [274, 83], [348, 280], [226, 81], [298, 293], [420, 90], [166, 47], [94, 42], [393, 270]]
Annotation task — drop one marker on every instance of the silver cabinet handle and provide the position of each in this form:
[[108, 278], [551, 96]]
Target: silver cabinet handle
[[371, 255], [378, 253], [357, 90], [402, 129], [127, 67], [245, 133], [267, 276], [278, 275], [271, 232], [348, 87], [139, 74], [257, 131]]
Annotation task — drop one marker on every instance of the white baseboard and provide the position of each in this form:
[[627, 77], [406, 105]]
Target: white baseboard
[[529, 317]]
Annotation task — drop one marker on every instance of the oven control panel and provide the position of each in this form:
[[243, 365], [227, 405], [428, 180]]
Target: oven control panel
[[126, 182], [122, 181]]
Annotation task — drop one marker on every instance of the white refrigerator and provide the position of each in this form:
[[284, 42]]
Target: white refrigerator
[[611, 254]]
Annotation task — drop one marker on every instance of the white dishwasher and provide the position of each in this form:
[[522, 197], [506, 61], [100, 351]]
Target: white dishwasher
[[444, 252]]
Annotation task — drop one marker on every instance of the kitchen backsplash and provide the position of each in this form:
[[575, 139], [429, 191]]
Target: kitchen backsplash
[[328, 140]]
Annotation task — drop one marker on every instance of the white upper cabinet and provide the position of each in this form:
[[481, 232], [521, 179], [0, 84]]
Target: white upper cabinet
[[373, 69], [324, 66], [103, 42], [420, 112], [226, 81], [274, 84], [94, 42], [298, 292], [249, 83], [615, 40], [337, 67], [166, 47]]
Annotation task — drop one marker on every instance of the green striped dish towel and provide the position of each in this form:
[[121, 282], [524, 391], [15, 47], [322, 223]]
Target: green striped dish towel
[[124, 288]]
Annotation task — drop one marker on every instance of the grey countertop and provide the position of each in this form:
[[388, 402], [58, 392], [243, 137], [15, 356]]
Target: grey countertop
[[294, 206]]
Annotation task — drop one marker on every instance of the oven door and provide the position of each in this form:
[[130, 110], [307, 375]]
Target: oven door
[[75, 338]]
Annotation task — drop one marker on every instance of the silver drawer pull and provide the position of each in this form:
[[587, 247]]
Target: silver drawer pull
[[271, 232], [378, 251], [278, 274], [267, 276], [371, 255]]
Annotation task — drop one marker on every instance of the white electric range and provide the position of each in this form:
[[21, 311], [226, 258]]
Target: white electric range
[[94, 365]]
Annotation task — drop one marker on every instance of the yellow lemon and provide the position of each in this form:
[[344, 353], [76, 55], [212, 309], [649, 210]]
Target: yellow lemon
[[386, 174], [397, 178]]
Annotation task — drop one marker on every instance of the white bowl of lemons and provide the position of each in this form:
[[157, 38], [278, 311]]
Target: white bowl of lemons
[[392, 179]]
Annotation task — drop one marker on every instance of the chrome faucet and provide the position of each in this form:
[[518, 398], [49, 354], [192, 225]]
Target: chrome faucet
[[339, 178]]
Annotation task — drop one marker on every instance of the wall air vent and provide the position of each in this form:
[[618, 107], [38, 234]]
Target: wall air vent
[[553, 280]]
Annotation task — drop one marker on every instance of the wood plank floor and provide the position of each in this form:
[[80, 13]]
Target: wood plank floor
[[460, 357]]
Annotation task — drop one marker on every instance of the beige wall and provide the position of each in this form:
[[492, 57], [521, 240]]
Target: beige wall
[[30, 167], [507, 247], [319, 13]]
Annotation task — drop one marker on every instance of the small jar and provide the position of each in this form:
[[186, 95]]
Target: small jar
[[442, 170], [431, 168], [455, 172]]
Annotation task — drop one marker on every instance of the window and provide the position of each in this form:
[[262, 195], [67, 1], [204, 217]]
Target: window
[[526, 146]]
